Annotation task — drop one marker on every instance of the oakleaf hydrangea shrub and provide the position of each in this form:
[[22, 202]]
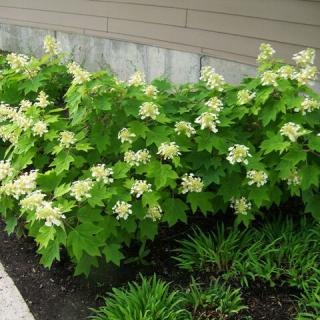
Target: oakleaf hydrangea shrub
[[105, 162]]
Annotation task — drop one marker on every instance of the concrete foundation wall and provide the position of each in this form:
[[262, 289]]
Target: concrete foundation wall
[[123, 57]]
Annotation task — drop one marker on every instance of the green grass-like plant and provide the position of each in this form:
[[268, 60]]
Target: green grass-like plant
[[309, 303], [151, 299], [215, 251], [218, 297], [277, 252]]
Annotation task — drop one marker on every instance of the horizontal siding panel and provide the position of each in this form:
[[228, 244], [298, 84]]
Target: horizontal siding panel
[[172, 16], [205, 39], [284, 10], [45, 26], [300, 34], [46, 17]]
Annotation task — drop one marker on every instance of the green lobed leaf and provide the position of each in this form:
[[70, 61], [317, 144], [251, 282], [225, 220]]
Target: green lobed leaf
[[174, 210], [201, 201]]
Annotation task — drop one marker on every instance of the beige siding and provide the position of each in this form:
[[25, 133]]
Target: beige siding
[[230, 29]]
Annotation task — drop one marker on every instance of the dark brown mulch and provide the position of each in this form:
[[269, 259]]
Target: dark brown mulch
[[56, 295]]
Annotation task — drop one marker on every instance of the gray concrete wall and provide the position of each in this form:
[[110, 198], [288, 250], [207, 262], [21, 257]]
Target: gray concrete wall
[[123, 57], [226, 29]]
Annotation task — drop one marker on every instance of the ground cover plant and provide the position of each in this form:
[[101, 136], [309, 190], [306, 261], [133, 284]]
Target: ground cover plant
[[281, 259], [92, 167], [278, 253], [281, 251], [150, 300]]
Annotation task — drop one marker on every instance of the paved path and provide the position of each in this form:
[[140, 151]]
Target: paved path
[[12, 305]]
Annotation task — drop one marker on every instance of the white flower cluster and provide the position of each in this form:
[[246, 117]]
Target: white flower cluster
[[245, 96], [190, 183], [148, 110], [6, 134], [51, 214], [22, 63], [21, 121], [18, 118], [214, 104], [40, 128], [137, 158], [266, 52], [122, 210], [6, 112], [18, 62], [24, 184], [184, 127], [5, 169], [101, 173], [25, 105], [137, 79], [80, 75], [51, 46], [308, 105], [80, 190], [140, 187], [42, 100], [287, 72], [259, 178], [125, 135], [154, 213], [304, 57], [213, 80], [206, 72], [216, 82], [32, 201], [269, 78], [151, 91], [208, 120], [238, 153], [44, 210], [304, 60], [293, 178], [241, 206], [67, 139], [291, 130], [169, 150], [304, 76]]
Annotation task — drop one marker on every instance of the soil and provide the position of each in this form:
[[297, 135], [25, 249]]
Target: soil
[[53, 294], [56, 295]]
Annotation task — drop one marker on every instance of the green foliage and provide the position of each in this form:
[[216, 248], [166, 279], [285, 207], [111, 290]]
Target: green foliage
[[154, 300], [150, 300], [218, 297], [280, 251], [215, 251], [189, 160], [309, 303]]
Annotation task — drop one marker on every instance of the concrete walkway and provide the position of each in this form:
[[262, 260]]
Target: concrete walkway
[[12, 305]]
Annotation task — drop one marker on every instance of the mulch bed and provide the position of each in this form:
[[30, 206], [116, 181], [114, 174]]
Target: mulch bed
[[56, 295], [53, 294]]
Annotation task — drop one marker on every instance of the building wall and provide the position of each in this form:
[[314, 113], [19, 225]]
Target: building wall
[[225, 33]]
